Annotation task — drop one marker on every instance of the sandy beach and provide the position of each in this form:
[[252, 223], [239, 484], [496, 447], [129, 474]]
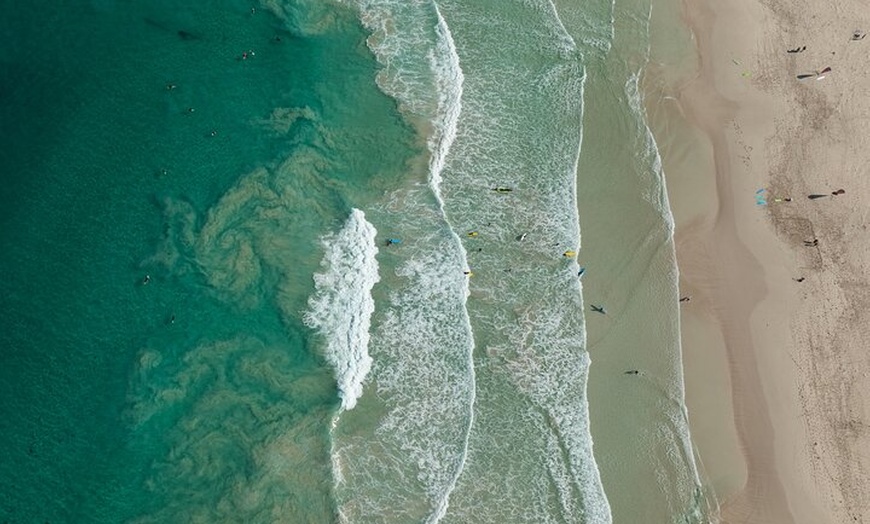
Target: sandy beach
[[777, 369]]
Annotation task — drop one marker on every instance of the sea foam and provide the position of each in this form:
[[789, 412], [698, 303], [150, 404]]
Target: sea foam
[[424, 341], [342, 304]]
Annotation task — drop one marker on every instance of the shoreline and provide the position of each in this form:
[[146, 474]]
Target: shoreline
[[779, 458]]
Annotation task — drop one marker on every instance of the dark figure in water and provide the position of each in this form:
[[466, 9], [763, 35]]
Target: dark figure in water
[[685, 298], [598, 309], [815, 196], [801, 279], [631, 372], [797, 50]]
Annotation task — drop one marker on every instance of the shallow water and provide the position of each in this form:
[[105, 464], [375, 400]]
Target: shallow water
[[283, 363]]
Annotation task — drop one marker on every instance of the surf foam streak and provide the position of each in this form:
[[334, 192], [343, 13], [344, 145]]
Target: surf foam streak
[[342, 304], [421, 71], [531, 448], [564, 32], [449, 80]]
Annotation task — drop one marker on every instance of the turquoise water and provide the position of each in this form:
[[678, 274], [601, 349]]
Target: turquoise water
[[203, 320]]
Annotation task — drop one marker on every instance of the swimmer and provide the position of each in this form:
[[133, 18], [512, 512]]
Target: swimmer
[[146, 280], [170, 87]]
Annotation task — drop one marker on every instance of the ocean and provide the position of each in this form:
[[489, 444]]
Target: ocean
[[317, 261]]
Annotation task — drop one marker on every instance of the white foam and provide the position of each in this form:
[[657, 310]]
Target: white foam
[[444, 62], [565, 35], [342, 305]]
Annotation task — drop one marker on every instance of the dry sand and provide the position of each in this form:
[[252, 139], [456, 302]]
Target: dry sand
[[777, 371]]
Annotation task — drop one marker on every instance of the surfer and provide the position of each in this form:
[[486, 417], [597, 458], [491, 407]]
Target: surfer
[[502, 189], [146, 280], [598, 309], [472, 234], [582, 270], [631, 372], [522, 237], [391, 241]]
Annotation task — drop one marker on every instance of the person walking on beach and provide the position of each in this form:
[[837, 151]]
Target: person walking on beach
[[811, 243], [598, 309]]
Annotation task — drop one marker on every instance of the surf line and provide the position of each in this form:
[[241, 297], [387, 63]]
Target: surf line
[[449, 81]]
